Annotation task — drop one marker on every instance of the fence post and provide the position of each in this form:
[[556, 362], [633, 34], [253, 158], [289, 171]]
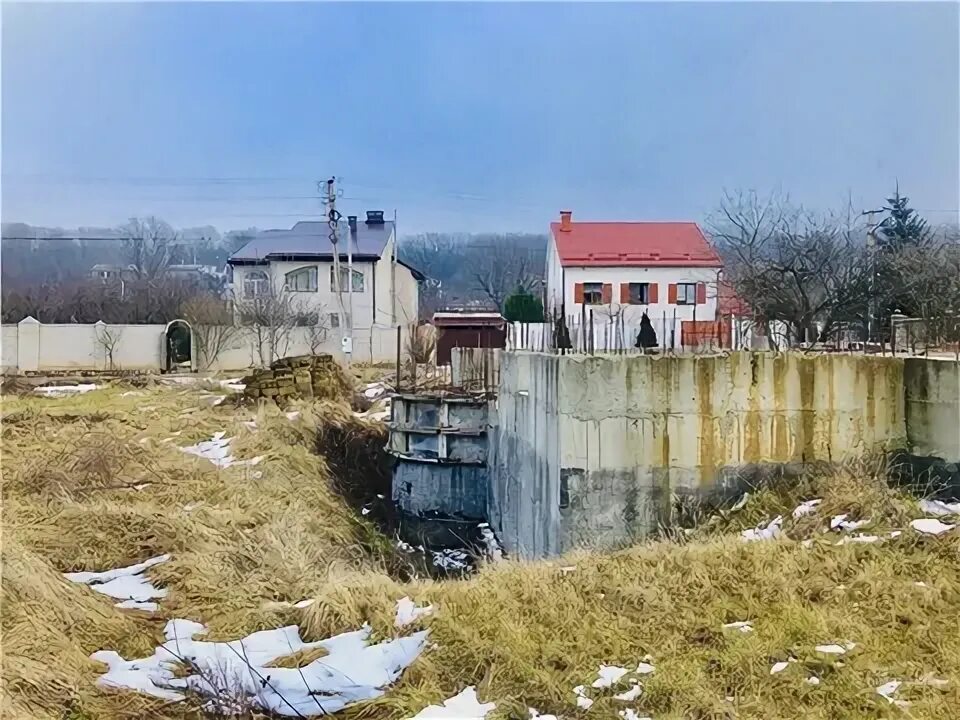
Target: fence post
[[28, 345]]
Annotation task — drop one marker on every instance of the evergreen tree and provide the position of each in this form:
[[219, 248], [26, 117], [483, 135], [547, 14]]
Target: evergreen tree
[[647, 337], [902, 227], [523, 307]]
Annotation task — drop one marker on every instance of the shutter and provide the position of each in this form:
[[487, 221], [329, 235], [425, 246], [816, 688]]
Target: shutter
[[624, 293], [578, 293], [607, 295], [672, 294], [701, 293], [652, 294]]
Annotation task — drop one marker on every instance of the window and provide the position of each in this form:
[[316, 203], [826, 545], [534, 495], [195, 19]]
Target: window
[[357, 280], [255, 284], [302, 280], [593, 293], [639, 294], [687, 294]]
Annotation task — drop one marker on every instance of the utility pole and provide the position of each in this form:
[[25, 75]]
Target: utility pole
[[333, 221], [872, 249]]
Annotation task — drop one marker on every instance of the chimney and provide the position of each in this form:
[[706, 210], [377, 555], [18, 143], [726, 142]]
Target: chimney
[[352, 222], [374, 217], [565, 224]]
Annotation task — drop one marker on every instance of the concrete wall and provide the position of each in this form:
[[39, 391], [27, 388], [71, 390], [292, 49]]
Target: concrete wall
[[932, 396], [614, 438], [31, 346]]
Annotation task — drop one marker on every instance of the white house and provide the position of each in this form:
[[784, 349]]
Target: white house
[[383, 292], [667, 269]]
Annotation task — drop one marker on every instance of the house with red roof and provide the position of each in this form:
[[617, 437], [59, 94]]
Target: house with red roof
[[667, 269]]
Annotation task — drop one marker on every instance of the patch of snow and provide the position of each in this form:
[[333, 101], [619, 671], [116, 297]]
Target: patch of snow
[[57, 391], [895, 534], [233, 384], [940, 508], [645, 668], [813, 680], [806, 507], [630, 714], [126, 584], [631, 694], [283, 604], [535, 715], [408, 613], [858, 539], [921, 583], [607, 675], [931, 526], [374, 390], [888, 690], [741, 503], [763, 532], [494, 551], [450, 559], [583, 701], [352, 670], [834, 649], [293, 415], [464, 706], [365, 511], [840, 522], [807, 543], [304, 603], [743, 626], [217, 451], [779, 667]]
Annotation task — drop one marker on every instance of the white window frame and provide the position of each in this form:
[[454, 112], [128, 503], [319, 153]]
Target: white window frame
[[312, 284], [357, 287], [686, 293], [256, 283]]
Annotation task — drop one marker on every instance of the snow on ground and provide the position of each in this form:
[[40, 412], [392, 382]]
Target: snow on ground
[[464, 706], [806, 507], [939, 507], [408, 613], [834, 649], [763, 532], [234, 674], [58, 391], [233, 384], [494, 551], [840, 522], [451, 559], [607, 675], [743, 626], [375, 390], [126, 584], [930, 526], [217, 451]]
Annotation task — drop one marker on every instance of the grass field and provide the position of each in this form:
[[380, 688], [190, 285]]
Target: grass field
[[97, 481]]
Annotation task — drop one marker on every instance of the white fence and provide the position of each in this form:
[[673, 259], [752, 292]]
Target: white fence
[[31, 346]]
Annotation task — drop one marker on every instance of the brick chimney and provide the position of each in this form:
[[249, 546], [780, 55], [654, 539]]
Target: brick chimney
[[566, 225]]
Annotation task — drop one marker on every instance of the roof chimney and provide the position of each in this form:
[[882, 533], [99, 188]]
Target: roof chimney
[[374, 217], [352, 222], [565, 223]]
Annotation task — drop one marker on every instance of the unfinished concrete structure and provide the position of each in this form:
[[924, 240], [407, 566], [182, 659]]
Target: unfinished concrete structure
[[595, 450], [441, 478]]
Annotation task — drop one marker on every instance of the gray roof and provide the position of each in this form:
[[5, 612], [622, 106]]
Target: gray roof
[[310, 239]]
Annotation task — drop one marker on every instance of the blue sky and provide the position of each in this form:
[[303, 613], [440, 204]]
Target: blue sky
[[472, 116]]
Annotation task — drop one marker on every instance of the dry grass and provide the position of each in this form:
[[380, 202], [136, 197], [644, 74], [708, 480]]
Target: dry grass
[[526, 634]]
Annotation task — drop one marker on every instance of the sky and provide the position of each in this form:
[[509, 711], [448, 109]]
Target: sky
[[472, 117]]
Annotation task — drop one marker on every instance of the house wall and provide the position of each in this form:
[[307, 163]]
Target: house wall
[[663, 276], [325, 298], [554, 278], [408, 296]]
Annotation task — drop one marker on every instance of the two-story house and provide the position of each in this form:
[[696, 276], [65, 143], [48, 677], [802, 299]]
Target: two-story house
[[667, 269], [299, 262]]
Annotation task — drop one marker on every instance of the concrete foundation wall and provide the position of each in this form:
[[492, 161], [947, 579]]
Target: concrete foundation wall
[[591, 449], [932, 396]]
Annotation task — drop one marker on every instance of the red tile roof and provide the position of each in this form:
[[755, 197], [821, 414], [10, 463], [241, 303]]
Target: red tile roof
[[640, 244]]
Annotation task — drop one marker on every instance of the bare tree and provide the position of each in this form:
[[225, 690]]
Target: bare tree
[[787, 264], [928, 278], [504, 268], [213, 326], [108, 337], [148, 245], [270, 318], [318, 333]]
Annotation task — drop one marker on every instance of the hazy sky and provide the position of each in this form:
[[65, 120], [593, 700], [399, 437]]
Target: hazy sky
[[472, 116]]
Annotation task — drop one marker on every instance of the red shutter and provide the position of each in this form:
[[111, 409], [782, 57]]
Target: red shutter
[[652, 294], [624, 293], [578, 293], [701, 293], [607, 296], [672, 294]]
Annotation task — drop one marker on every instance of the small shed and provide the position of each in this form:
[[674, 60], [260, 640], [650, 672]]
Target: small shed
[[468, 330]]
